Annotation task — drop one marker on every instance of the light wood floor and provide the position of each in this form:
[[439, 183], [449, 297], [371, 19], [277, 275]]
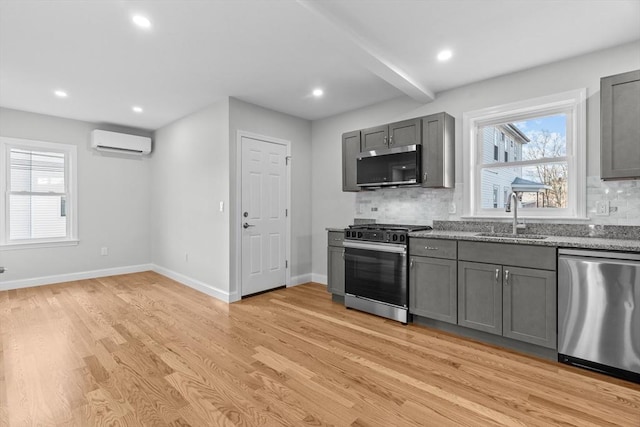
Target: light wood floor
[[143, 350]]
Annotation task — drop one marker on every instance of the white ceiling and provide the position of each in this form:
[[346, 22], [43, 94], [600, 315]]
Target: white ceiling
[[275, 52]]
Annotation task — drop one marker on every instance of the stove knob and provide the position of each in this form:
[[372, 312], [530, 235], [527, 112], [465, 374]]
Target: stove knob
[[402, 238], [348, 233], [359, 234], [394, 237]]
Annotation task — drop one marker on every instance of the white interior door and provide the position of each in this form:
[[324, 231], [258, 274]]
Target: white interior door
[[263, 222]]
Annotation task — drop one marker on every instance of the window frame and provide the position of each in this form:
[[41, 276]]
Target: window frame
[[71, 192], [572, 103]]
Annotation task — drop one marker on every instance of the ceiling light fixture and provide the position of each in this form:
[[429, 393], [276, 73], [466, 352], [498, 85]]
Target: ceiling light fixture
[[137, 109], [445, 55], [141, 21], [318, 93], [60, 93]]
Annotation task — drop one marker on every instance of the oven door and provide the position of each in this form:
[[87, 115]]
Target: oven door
[[376, 271]]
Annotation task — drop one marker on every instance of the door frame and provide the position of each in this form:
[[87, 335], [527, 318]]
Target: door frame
[[236, 222]]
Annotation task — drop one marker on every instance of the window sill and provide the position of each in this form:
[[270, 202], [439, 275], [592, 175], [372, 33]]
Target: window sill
[[39, 245]]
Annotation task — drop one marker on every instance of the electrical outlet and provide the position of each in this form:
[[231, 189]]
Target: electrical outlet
[[104, 251], [602, 208], [452, 208]]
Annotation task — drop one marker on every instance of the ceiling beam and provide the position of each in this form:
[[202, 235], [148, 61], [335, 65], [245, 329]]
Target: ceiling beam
[[368, 54]]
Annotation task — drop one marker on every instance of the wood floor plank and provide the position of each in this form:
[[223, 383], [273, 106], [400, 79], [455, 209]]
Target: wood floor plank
[[140, 349]]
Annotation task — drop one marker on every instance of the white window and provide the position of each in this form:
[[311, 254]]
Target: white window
[[547, 170], [38, 184]]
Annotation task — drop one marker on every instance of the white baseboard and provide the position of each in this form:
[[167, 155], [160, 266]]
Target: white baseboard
[[193, 283], [319, 278], [70, 277], [299, 280]]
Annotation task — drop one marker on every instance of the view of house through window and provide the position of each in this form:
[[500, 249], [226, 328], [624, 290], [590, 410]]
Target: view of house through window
[[534, 164]]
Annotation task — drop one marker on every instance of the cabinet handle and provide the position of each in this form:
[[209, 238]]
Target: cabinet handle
[[411, 263], [386, 142], [506, 277], [424, 177], [337, 239], [391, 140], [429, 248], [497, 274]]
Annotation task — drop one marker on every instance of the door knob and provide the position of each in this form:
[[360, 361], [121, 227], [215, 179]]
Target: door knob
[[247, 225]]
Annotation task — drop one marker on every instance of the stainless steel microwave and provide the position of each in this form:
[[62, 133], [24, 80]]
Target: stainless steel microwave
[[391, 166]]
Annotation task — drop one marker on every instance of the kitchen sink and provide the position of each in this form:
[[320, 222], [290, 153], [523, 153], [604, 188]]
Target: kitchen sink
[[512, 236]]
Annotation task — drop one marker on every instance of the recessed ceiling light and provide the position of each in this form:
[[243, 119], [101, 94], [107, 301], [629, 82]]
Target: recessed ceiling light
[[318, 93], [445, 55], [136, 109], [141, 21], [60, 93]]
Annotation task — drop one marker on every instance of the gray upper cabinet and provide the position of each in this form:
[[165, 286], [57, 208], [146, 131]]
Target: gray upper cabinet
[[375, 138], [620, 126], [397, 134], [403, 133], [438, 151], [350, 151]]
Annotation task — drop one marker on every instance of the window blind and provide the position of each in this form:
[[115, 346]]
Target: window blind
[[37, 194]]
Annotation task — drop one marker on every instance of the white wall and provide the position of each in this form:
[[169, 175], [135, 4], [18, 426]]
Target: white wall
[[189, 178], [332, 208], [113, 207], [248, 117]]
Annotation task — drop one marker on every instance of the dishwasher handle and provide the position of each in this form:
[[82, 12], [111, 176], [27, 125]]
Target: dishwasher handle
[[599, 254]]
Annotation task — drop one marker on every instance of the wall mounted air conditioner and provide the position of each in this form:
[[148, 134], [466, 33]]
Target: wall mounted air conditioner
[[114, 142]]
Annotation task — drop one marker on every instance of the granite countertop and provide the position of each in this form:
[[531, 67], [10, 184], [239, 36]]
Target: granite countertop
[[582, 236], [555, 241], [579, 236]]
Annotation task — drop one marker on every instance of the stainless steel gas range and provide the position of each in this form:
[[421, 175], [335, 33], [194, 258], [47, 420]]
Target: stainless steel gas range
[[377, 269]]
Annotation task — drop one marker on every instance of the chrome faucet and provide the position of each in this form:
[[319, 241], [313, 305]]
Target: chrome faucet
[[513, 199]]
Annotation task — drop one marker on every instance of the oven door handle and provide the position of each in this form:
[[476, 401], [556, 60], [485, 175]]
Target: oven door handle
[[397, 249]]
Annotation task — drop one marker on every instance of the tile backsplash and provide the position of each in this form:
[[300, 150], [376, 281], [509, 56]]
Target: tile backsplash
[[416, 205]]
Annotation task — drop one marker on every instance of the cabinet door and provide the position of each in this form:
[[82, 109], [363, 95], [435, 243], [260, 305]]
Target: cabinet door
[[350, 151], [620, 126], [438, 151], [529, 305], [374, 138], [433, 288], [406, 132], [335, 270], [480, 296]]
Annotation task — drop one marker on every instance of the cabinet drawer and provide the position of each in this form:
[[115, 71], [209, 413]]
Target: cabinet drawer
[[434, 248], [336, 238], [543, 257]]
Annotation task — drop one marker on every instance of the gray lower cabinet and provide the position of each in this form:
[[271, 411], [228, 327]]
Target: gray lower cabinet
[[335, 263], [350, 151], [529, 306], [433, 279], [517, 302], [432, 288], [480, 296], [620, 126]]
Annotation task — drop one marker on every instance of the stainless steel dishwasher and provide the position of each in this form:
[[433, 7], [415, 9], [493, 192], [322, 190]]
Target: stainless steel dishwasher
[[599, 311]]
